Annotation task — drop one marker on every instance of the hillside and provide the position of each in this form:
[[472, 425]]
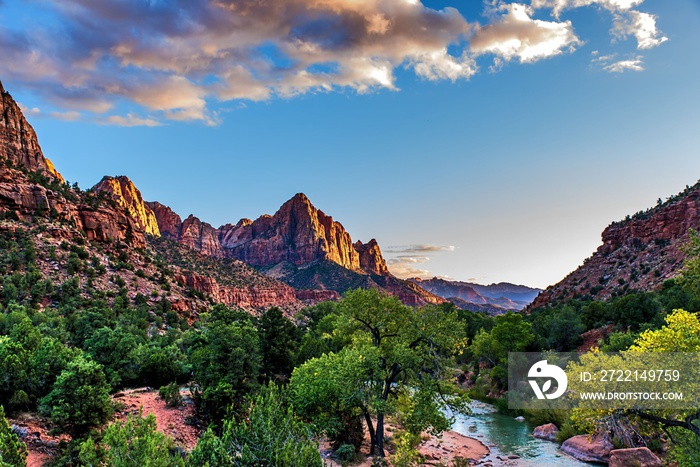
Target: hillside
[[638, 253], [203, 263]]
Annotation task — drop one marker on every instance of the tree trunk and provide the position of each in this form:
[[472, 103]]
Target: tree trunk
[[380, 434], [372, 435]]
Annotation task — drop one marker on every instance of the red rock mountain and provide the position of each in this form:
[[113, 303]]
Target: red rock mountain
[[315, 252], [300, 245], [18, 141], [638, 253], [297, 234]]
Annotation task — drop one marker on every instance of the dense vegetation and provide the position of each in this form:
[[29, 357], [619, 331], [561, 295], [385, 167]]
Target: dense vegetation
[[335, 370]]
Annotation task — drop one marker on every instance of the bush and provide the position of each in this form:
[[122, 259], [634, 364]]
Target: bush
[[171, 395], [80, 398], [345, 453], [134, 443], [13, 452]]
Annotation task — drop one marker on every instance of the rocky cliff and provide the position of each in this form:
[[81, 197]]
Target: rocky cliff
[[18, 142], [637, 253], [127, 196], [297, 233]]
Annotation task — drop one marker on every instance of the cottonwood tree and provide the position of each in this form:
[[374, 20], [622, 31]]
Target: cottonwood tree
[[398, 350]]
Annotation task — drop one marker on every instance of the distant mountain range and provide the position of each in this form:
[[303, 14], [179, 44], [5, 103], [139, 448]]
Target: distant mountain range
[[493, 298]]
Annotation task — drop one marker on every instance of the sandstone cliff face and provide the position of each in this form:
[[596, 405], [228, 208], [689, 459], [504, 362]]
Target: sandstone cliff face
[[638, 253], [169, 223], [127, 196], [200, 236], [18, 141], [371, 259], [250, 297], [298, 233]]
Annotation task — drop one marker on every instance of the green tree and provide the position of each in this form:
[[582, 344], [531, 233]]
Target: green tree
[[511, 333], [225, 358], [115, 349], [13, 452], [404, 350], [278, 344], [79, 399], [331, 391], [134, 443]]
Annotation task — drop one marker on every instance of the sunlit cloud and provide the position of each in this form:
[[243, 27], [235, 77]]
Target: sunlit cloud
[[406, 266], [625, 65], [640, 25], [613, 64], [420, 248], [130, 120], [186, 60], [515, 35]]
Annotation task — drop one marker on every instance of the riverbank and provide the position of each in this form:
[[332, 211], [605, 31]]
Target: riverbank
[[436, 450]]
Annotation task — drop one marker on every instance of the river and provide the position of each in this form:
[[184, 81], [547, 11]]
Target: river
[[505, 436]]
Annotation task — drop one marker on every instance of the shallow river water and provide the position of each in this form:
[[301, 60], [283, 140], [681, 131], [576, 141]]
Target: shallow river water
[[504, 436]]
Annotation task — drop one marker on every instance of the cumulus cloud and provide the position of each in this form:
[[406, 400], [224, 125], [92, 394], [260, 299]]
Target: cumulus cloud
[[406, 266], [183, 59], [558, 6], [175, 57], [626, 20], [516, 35], [640, 25], [421, 248]]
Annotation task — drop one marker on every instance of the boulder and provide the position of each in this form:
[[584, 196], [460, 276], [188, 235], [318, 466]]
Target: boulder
[[548, 432], [639, 457], [583, 448]]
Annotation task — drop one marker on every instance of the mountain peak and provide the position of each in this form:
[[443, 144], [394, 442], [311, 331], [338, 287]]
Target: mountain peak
[[126, 195], [18, 141]]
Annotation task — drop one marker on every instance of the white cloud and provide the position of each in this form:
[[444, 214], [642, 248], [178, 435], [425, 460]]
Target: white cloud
[[625, 65], [418, 248], [613, 64], [405, 266], [640, 25], [131, 120], [558, 6], [517, 36]]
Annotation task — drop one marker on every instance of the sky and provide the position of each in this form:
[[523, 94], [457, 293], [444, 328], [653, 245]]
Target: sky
[[479, 141]]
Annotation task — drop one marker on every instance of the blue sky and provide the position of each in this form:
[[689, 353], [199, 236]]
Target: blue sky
[[488, 142]]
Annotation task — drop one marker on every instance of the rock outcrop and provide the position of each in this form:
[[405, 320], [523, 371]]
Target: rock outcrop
[[127, 196], [371, 259], [297, 234], [637, 457], [169, 223], [587, 449], [638, 253], [250, 297], [299, 245], [18, 142], [548, 431], [200, 236]]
